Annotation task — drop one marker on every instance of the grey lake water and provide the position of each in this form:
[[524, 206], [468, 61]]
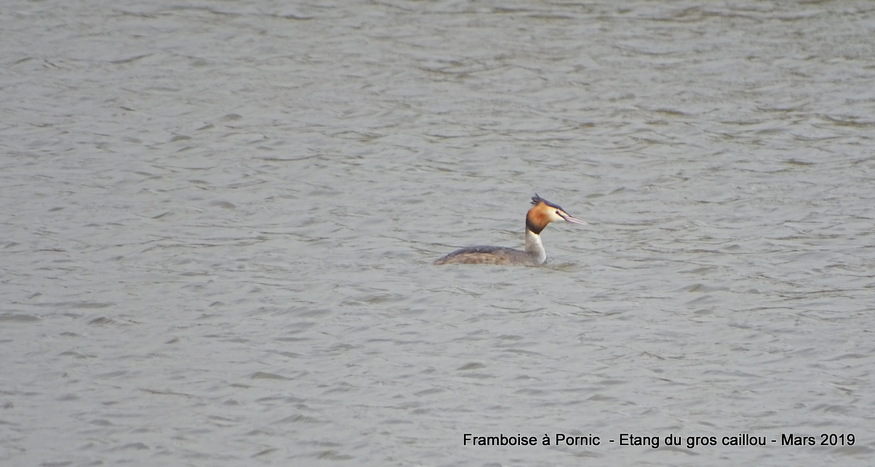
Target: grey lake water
[[219, 220]]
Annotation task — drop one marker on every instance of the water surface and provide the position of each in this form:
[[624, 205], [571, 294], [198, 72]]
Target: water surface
[[219, 220]]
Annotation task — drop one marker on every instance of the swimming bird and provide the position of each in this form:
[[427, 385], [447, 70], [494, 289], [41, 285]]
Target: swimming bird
[[540, 214]]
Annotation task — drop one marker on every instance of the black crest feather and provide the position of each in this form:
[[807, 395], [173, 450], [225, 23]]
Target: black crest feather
[[537, 199]]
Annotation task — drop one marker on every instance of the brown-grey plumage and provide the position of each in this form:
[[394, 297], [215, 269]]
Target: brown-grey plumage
[[488, 255]]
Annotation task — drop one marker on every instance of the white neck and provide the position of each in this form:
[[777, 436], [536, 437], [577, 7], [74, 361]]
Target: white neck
[[534, 247]]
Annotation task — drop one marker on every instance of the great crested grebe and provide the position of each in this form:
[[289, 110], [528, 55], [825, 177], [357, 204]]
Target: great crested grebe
[[541, 213]]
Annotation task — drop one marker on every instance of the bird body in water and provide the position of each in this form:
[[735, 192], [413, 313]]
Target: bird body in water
[[540, 214]]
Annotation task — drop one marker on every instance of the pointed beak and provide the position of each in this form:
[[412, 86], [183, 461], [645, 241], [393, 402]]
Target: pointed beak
[[574, 220]]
